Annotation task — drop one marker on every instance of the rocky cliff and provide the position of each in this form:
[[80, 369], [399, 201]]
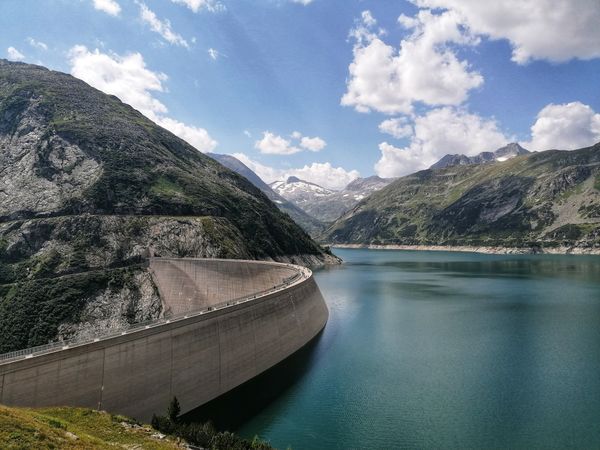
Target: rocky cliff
[[89, 187], [542, 200]]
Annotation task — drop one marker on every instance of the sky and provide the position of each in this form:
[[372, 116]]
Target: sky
[[330, 90]]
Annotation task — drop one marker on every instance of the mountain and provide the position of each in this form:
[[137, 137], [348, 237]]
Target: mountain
[[502, 154], [232, 163], [88, 188], [307, 222], [327, 204], [363, 187], [545, 199], [299, 191]]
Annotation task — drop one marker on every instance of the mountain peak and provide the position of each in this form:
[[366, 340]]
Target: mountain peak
[[499, 155]]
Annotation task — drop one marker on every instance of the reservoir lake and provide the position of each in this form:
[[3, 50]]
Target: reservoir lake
[[437, 350]]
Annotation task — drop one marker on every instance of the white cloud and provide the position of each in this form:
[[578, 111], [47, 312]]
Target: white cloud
[[128, 78], [556, 30], [36, 44], [14, 55], [273, 144], [323, 174], [423, 69], [437, 133], [313, 144], [247, 134], [108, 6], [277, 145], [162, 27], [303, 2], [565, 127], [214, 54], [197, 5], [196, 136], [398, 127], [368, 19]]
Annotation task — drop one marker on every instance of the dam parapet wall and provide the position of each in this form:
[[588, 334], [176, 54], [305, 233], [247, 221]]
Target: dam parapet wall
[[226, 322]]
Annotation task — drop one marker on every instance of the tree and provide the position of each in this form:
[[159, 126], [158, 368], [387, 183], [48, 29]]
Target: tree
[[174, 410]]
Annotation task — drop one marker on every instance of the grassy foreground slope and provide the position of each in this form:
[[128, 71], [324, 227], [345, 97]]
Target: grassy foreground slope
[[88, 188], [75, 428], [543, 200], [80, 428]]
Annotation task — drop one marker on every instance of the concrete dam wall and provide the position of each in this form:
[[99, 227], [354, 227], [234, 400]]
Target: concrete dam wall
[[226, 322]]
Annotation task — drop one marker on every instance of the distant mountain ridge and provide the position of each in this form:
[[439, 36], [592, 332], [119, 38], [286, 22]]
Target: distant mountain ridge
[[327, 204], [502, 154], [310, 224], [534, 201]]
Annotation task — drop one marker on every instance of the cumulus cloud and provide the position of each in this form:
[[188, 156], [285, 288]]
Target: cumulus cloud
[[14, 55], [313, 144], [555, 30], [567, 126], [36, 44], [323, 174], [398, 127], [197, 5], [128, 78], [162, 27], [214, 54], [272, 144], [277, 145], [425, 68], [108, 6], [436, 133]]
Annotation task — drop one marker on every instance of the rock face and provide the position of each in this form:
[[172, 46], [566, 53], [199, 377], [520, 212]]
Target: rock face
[[326, 204], [307, 222], [89, 187], [548, 199], [502, 154]]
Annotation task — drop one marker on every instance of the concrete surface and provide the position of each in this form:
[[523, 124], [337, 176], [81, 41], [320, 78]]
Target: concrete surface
[[196, 358]]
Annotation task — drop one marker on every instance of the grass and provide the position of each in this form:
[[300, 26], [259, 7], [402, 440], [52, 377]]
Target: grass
[[167, 188], [73, 429]]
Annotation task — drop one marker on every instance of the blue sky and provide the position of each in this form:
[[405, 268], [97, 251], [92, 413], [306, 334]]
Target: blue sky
[[330, 89]]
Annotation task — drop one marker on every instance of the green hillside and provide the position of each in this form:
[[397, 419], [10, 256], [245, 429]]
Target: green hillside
[[546, 199]]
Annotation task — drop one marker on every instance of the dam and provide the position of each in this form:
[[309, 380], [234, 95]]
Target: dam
[[225, 321]]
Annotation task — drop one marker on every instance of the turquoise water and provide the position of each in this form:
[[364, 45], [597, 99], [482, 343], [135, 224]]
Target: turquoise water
[[439, 350]]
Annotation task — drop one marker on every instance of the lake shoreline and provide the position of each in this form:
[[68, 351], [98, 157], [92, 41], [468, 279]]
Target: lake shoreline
[[490, 250]]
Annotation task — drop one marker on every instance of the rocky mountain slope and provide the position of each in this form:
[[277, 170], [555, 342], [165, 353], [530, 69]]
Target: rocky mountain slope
[[540, 200], [502, 154], [88, 188], [307, 222], [326, 204]]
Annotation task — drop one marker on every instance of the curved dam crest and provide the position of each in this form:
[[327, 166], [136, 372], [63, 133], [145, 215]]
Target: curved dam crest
[[229, 320]]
